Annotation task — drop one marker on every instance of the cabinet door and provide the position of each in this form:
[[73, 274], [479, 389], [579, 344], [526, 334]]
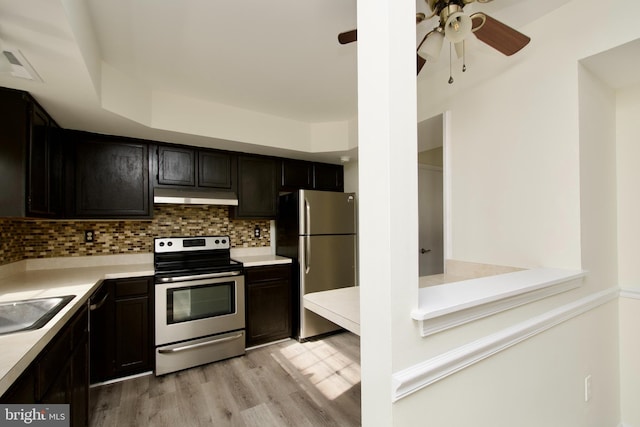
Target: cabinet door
[[39, 165], [132, 335], [257, 187], [296, 174], [214, 170], [328, 177], [176, 166], [268, 304], [79, 393], [111, 179]]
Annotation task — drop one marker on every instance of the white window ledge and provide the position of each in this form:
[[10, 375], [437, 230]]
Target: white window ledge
[[449, 305]]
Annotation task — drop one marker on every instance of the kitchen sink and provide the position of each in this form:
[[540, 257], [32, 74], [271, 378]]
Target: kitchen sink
[[16, 316]]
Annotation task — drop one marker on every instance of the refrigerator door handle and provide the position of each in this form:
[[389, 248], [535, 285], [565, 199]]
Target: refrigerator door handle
[[307, 255], [307, 216]]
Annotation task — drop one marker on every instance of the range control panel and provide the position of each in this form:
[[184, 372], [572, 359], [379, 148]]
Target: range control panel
[[185, 244]]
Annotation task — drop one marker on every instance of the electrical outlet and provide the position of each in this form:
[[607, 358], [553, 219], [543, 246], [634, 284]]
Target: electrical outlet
[[256, 231], [89, 236], [587, 388]]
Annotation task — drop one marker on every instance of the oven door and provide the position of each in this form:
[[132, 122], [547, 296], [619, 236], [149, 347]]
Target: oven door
[[196, 308]]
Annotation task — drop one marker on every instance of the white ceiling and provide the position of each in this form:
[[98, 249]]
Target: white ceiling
[[279, 57]]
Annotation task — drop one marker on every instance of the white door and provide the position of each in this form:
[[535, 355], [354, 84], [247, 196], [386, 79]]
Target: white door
[[431, 229]]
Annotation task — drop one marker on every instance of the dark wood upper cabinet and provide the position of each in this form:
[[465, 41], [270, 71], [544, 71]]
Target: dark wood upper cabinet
[[296, 174], [257, 187], [44, 180], [328, 177], [55, 173], [299, 174], [179, 166], [31, 176], [176, 166], [109, 177], [214, 170]]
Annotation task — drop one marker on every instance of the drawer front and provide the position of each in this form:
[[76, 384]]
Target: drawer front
[[131, 287], [266, 273]]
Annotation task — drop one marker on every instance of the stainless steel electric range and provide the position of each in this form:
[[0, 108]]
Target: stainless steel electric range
[[199, 300]]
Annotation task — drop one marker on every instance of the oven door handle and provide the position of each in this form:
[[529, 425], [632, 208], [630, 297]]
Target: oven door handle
[[201, 344], [200, 276]]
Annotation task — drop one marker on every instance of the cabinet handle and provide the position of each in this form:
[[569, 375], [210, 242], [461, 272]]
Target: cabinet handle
[[93, 307], [201, 344]]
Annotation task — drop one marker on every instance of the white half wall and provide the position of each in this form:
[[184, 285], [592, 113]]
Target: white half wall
[[629, 357]]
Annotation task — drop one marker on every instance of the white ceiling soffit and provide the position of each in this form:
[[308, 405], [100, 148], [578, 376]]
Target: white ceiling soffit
[[279, 57], [617, 67]]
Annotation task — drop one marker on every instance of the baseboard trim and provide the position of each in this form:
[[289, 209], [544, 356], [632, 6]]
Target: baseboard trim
[[430, 371], [120, 379]]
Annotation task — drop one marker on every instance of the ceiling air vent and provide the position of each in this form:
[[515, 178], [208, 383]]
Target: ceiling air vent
[[20, 67]]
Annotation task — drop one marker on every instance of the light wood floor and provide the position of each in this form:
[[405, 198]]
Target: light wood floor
[[311, 384]]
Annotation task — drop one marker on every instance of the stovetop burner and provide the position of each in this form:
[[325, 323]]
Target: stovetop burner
[[190, 256]]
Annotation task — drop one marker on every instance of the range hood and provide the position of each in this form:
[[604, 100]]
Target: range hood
[[192, 197]]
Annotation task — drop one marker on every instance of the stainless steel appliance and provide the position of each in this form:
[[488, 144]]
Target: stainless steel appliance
[[199, 302], [318, 230]]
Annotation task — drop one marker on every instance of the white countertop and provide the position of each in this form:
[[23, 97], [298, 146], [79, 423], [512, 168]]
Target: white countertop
[[21, 348], [443, 306], [79, 276], [260, 260], [341, 306]]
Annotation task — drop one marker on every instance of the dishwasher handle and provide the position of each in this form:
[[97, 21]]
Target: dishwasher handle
[[94, 306]]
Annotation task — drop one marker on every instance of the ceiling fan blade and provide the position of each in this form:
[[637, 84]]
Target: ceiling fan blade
[[421, 62], [498, 35], [348, 37]]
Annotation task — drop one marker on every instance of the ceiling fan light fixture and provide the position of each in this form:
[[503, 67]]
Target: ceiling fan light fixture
[[431, 45], [457, 27]]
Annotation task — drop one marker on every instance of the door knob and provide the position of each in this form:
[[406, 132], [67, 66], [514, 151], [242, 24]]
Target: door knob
[[424, 251]]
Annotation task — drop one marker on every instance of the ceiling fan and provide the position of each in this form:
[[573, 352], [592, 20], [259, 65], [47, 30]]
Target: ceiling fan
[[456, 26]]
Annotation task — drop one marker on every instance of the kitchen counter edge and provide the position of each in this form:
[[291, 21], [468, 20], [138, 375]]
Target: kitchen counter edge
[[22, 348], [261, 260]]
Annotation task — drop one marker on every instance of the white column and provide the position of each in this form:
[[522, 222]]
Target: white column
[[388, 222]]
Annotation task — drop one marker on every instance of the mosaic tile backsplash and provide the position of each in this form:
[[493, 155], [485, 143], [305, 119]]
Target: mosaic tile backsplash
[[34, 238]]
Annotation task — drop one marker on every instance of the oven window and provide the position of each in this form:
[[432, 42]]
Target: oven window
[[200, 302]]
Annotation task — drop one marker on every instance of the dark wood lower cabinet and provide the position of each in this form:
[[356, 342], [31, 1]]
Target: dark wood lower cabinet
[[122, 329], [132, 335], [60, 373], [268, 304]]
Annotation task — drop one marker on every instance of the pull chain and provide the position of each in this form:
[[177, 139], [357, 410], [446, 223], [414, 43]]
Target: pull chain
[[450, 76], [464, 57]]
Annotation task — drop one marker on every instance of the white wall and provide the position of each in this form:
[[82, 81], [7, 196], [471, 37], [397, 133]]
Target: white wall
[[598, 191], [516, 200], [628, 136], [628, 153]]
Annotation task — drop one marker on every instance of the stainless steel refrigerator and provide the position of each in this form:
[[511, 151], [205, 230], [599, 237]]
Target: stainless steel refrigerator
[[318, 230]]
